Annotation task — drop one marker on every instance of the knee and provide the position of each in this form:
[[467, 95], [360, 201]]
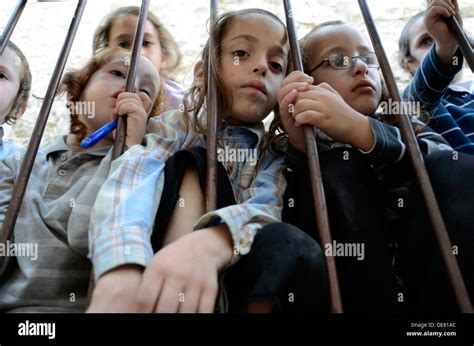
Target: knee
[[292, 246]]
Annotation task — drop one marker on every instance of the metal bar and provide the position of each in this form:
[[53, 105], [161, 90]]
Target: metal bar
[[414, 153], [319, 198], [211, 138], [121, 132], [463, 42], [12, 21], [29, 159]]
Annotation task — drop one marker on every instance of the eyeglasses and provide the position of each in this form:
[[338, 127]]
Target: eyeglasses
[[342, 62]]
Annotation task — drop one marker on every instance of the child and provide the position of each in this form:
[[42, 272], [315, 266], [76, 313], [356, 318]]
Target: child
[[340, 94], [436, 82], [118, 30], [250, 60], [450, 105], [52, 223], [15, 85]]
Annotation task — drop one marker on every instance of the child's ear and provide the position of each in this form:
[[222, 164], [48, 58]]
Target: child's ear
[[199, 74]]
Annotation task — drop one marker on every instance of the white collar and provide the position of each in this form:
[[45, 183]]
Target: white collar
[[466, 86]]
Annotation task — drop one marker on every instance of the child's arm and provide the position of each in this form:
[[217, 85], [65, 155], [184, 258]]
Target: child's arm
[[189, 266], [257, 206], [323, 107], [443, 61], [181, 277], [123, 214]]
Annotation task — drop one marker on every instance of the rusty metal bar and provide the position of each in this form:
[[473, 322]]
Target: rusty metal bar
[[12, 21], [211, 138], [319, 198], [121, 132], [33, 146], [463, 42], [414, 153]]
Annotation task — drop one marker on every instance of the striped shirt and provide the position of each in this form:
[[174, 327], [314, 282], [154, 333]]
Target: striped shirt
[[124, 212], [450, 109], [53, 219]]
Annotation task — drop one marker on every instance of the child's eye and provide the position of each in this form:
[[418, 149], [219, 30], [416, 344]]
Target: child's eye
[[147, 43], [3, 76], [427, 41], [118, 73], [240, 53], [124, 44], [276, 66]]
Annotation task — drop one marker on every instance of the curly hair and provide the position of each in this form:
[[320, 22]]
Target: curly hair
[[74, 83]]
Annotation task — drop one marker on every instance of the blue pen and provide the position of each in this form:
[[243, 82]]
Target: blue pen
[[95, 138]]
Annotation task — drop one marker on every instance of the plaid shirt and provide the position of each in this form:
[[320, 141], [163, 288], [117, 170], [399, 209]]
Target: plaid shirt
[[124, 212]]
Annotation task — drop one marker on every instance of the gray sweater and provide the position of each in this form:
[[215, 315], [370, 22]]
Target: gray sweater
[[48, 269]]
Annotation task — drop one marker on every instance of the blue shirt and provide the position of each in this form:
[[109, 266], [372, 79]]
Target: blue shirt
[[6, 148], [450, 109]]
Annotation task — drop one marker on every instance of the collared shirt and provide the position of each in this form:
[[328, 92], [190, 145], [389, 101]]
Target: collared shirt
[[174, 94], [7, 148], [54, 218], [124, 212], [450, 108]]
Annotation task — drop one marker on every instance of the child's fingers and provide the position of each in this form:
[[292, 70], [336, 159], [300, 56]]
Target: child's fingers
[[298, 76], [327, 87], [128, 106], [298, 86], [309, 117], [289, 99], [149, 290], [190, 301], [170, 296], [208, 299], [146, 100]]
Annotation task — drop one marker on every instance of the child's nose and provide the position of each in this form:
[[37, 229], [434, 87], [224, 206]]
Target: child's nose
[[359, 67], [261, 66]]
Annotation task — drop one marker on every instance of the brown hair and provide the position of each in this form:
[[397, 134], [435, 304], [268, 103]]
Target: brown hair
[[168, 44], [196, 96], [404, 54], [74, 83], [25, 85]]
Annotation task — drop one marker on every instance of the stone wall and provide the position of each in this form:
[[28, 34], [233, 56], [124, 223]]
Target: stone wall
[[43, 25]]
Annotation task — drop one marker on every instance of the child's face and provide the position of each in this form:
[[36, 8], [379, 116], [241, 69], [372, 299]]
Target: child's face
[[359, 85], [420, 44], [102, 89], [253, 63], [122, 34], [10, 74]]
